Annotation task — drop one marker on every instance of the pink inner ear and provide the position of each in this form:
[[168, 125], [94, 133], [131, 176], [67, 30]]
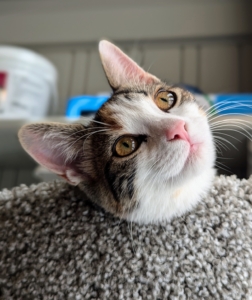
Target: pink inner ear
[[52, 157], [41, 150], [48, 159], [120, 69], [129, 67]]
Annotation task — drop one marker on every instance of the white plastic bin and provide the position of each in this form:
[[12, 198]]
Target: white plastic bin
[[28, 84]]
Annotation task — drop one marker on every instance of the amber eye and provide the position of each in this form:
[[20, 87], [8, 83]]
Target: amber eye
[[165, 100], [126, 145]]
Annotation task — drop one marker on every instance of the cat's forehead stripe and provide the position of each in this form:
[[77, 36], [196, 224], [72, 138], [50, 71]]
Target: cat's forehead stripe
[[125, 92], [150, 91], [105, 115]]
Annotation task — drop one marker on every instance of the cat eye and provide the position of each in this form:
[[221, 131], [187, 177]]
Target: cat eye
[[126, 145], [165, 100]]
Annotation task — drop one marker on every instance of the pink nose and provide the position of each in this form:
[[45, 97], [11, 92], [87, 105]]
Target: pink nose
[[177, 132]]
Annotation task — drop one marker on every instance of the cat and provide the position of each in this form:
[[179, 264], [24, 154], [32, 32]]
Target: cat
[[147, 156]]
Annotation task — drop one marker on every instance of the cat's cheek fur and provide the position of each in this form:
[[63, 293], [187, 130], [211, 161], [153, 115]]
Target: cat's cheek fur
[[164, 162]]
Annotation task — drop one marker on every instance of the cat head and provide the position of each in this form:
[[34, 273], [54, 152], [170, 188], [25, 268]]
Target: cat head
[[147, 155]]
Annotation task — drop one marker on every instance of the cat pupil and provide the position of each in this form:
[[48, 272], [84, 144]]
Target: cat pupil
[[163, 99], [126, 145]]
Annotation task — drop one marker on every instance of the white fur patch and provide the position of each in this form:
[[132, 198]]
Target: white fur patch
[[162, 202]]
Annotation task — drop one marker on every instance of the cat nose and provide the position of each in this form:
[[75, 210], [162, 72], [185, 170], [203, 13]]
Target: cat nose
[[177, 132]]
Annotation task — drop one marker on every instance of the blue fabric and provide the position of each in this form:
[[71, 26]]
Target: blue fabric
[[233, 104], [87, 103]]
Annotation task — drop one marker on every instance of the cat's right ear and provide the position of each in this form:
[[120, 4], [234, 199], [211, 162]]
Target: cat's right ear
[[120, 69], [58, 147]]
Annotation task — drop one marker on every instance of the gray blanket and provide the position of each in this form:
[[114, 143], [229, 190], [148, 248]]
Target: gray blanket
[[55, 245]]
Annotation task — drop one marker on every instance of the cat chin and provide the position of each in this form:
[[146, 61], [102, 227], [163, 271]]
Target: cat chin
[[162, 204]]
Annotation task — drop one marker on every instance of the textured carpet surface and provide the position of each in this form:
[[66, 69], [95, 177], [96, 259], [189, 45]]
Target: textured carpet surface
[[54, 245]]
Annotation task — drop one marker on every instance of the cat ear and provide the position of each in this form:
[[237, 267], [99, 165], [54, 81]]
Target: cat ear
[[58, 147], [121, 70]]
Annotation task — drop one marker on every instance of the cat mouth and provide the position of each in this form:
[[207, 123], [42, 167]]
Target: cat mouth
[[195, 146], [194, 155]]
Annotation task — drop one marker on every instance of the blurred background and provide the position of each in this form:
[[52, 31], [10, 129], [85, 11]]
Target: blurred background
[[204, 44]]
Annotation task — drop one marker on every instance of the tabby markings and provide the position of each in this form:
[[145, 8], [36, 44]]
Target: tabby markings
[[121, 182]]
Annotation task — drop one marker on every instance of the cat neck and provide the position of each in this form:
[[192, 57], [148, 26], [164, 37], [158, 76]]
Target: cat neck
[[163, 202]]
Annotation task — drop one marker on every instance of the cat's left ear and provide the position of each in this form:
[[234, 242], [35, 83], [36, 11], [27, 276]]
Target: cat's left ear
[[121, 70], [58, 147]]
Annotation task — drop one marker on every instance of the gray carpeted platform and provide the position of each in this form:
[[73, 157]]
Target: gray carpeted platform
[[54, 245]]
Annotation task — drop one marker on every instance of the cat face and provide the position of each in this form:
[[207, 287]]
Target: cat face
[[148, 154]]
